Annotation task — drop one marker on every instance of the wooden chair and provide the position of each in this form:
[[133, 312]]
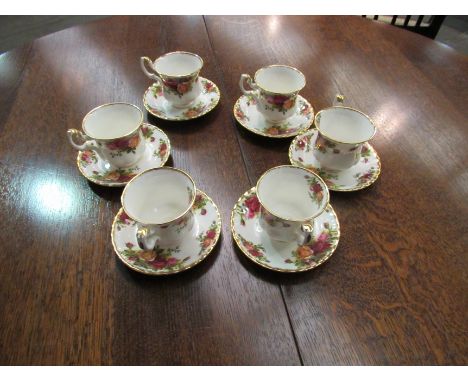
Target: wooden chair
[[426, 25]]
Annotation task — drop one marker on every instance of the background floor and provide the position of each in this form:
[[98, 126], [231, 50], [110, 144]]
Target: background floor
[[18, 30]]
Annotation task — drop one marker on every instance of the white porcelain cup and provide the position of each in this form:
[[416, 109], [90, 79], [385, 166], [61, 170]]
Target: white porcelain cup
[[160, 201], [290, 198], [275, 89], [342, 131], [177, 74], [113, 131]]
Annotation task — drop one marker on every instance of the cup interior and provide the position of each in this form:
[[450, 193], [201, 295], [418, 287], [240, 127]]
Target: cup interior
[[292, 193], [345, 125], [178, 64], [158, 196], [114, 120], [280, 79]]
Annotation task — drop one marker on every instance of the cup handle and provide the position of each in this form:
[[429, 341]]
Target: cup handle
[[339, 100], [146, 239], [88, 143], [251, 83], [307, 230], [150, 75]]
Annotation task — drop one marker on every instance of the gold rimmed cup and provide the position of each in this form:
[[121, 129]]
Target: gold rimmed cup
[[177, 74], [160, 201], [290, 197], [275, 88], [342, 132], [113, 131]]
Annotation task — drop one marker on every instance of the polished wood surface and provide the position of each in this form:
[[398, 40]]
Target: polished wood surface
[[395, 291]]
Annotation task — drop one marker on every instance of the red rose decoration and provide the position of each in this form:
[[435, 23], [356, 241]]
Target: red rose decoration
[[317, 188], [253, 205], [211, 234]]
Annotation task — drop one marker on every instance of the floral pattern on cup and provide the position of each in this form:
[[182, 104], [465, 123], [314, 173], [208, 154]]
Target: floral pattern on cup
[[365, 177], [272, 220], [321, 144], [315, 189], [157, 259], [123, 220], [278, 102], [172, 258], [281, 129], [155, 102], [147, 131], [305, 109], [200, 203], [208, 239], [161, 151], [362, 175], [365, 153], [118, 147], [208, 86], [249, 209], [303, 143], [117, 175], [247, 115], [240, 114], [179, 86], [260, 249], [308, 255], [87, 157], [256, 250]]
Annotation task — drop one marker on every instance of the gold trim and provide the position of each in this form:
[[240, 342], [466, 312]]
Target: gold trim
[[258, 132], [199, 260], [299, 168], [110, 104], [158, 169], [281, 66], [349, 108], [122, 184], [148, 108], [153, 64], [360, 187], [235, 235]]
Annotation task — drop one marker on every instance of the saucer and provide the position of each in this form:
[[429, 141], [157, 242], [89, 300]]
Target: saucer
[[158, 106], [169, 260], [98, 171], [359, 176], [256, 244], [246, 113]]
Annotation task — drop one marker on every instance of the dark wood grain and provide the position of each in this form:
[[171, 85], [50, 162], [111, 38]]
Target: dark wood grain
[[396, 290], [64, 296]]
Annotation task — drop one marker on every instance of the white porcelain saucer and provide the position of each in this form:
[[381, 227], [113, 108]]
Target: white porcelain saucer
[[167, 261], [98, 171], [255, 243], [246, 113], [357, 177], [158, 106]]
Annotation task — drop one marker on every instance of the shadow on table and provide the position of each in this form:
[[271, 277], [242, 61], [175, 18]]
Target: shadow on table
[[189, 275]]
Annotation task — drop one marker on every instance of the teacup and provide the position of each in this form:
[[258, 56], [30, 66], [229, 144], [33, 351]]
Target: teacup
[[113, 132], [290, 198], [160, 201], [275, 89], [177, 74], [342, 131]]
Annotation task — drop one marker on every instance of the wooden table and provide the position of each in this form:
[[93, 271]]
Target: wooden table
[[394, 292]]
